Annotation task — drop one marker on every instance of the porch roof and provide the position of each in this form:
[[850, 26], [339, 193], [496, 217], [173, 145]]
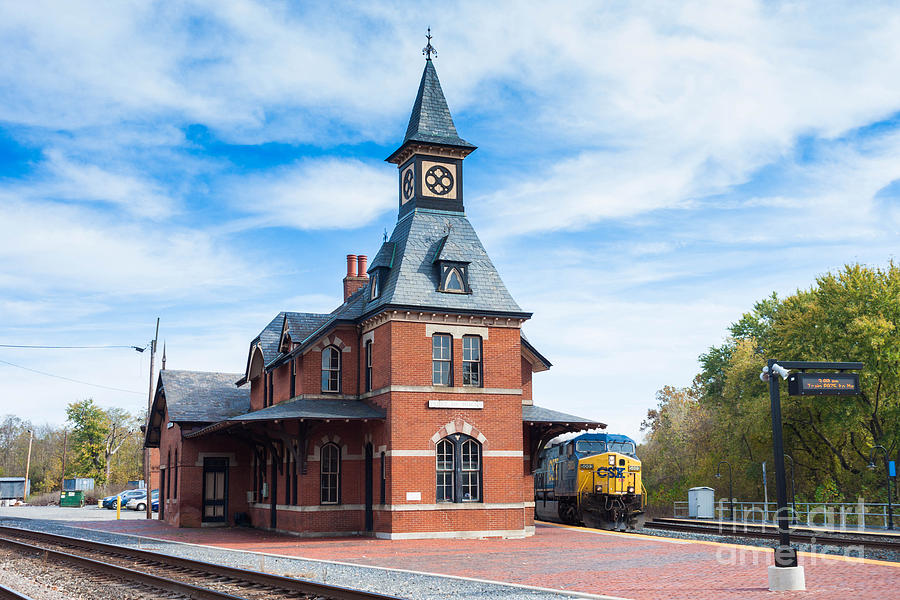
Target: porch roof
[[538, 414], [312, 409]]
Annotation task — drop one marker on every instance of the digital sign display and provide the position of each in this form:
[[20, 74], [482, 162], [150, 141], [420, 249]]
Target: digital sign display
[[823, 384]]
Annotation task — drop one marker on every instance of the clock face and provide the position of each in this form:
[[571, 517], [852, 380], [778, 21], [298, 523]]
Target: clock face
[[408, 184], [439, 180]]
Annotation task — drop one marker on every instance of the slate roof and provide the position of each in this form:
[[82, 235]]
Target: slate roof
[[430, 120], [196, 396], [300, 325], [384, 258], [449, 248], [539, 414], [413, 280], [306, 408]]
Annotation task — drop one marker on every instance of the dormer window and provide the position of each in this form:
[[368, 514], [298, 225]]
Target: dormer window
[[374, 286], [453, 282], [454, 278]]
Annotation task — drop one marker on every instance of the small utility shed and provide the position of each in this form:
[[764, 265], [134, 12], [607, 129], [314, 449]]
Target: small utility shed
[[701, 502], [13, 487]]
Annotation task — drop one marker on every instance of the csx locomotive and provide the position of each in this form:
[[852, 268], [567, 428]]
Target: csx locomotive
[[593, 478]]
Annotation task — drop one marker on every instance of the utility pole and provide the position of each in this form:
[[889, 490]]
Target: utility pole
[[27, 464], [147, 429], [765, 495], [65, 449]]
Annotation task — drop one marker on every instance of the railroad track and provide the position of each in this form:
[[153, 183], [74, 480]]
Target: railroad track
[[175, 576], [8, 594], [798, 534]]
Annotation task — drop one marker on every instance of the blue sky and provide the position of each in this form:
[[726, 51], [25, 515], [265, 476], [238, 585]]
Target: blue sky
[[645, 173]]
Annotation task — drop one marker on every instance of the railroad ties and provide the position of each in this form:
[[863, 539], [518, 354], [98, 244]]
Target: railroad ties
[[176, 577]]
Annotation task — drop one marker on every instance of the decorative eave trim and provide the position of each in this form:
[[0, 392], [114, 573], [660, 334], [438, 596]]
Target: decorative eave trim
[[419, 315], [410, 147]]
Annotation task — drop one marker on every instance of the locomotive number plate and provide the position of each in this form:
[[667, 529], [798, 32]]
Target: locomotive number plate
[[634, 468]]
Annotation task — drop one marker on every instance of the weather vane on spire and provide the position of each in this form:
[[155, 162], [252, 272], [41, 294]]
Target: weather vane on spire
[[429, 49]]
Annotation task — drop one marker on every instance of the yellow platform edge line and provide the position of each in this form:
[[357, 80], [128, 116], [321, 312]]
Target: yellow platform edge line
[[813, 555]]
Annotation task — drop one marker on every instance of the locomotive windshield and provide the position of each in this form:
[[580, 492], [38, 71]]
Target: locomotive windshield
[[622, 447], [590, 446]]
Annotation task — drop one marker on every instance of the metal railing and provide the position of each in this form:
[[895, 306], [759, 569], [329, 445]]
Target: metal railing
[[835, 515]]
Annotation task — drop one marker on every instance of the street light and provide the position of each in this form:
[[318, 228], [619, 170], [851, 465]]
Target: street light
[[793, 493], [887, 476], [730, 485]]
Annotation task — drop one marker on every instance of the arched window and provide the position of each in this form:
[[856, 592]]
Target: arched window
[[453, 282], [331, 369], [330, 474], [374, 288], [458, 469]]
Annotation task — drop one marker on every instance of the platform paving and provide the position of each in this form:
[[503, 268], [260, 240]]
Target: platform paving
[[565, 558]]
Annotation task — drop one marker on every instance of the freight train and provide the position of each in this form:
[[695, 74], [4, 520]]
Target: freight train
[[592, 478]]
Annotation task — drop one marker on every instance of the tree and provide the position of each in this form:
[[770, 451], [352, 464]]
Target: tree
[[89, 433], [851, 315], [121, 427]]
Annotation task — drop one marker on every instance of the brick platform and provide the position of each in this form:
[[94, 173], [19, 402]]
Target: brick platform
[[566, 558]]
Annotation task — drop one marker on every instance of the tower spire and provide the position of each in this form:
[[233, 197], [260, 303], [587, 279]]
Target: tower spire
[[429, 49]]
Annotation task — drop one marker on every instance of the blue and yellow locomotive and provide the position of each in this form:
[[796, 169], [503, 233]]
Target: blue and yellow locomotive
[[593, 478]]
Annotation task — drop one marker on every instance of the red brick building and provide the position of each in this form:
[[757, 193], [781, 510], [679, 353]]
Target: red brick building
[[406, 412]]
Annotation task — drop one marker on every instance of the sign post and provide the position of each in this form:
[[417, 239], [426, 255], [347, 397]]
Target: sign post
[[786, 574]]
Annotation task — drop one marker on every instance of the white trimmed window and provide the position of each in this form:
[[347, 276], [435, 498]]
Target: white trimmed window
[[369, 366], [472, 360], [331, 369], [441, 359], [330, 474], [458, 469]]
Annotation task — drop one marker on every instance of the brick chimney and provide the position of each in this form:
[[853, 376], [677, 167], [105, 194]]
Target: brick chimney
[[356, 274]]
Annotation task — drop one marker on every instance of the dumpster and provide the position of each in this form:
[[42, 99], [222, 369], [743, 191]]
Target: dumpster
[[72, 499]]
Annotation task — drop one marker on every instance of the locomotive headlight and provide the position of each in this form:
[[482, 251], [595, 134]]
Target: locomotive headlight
[[630, 489], [599, 489], [612, 460]]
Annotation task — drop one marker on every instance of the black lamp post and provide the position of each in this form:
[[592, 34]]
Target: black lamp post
[[730, 485], [887, 476], [793, 493]]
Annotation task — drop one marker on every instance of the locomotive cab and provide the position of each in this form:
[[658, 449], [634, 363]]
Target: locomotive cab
[[593, 479]]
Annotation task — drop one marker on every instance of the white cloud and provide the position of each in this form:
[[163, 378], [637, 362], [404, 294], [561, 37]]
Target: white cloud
[[61, 178], [316, 194], [57, 248]]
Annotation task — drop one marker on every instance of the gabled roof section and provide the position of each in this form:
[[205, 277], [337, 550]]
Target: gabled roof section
[[201, 396], [195, 397], [384, 258], [538, 361], [413, 280], [430, 120], [297, 327], [449, 249]]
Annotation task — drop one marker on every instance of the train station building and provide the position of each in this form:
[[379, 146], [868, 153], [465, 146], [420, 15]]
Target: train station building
[[407, 412]]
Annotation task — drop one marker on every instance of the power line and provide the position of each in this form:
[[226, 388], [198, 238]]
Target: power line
[[139, 349], [96, 385]]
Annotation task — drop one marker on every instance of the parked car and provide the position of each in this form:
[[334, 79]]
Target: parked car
[[110, 501], [140, 503], [155, 506]]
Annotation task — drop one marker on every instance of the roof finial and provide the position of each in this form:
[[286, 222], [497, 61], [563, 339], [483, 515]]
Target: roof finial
[[164, 357], [385, 234], [429, 49]]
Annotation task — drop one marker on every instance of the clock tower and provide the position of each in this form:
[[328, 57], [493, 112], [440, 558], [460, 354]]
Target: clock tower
[[430, 158]]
